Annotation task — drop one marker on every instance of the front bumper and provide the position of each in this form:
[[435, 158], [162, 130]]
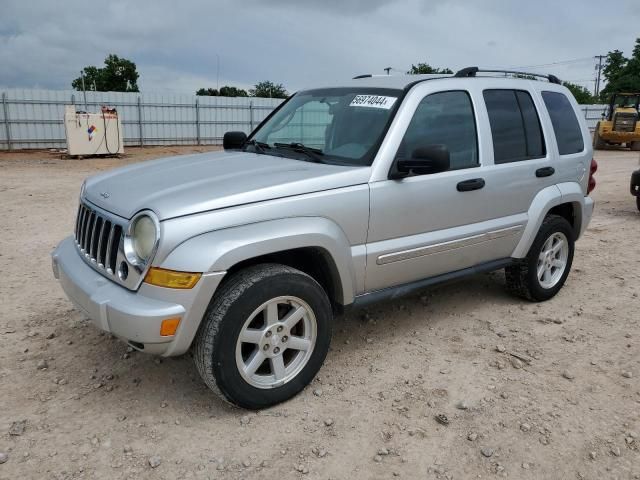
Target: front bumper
[[635, 183], [132, 316]]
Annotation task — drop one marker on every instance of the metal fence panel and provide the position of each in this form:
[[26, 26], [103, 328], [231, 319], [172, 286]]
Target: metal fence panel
[[34, 118], [592, 114]]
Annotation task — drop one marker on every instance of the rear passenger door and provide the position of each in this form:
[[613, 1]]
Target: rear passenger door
[[522, 163]]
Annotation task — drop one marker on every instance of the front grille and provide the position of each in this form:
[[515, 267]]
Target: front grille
[[98, 238], [625, 122]]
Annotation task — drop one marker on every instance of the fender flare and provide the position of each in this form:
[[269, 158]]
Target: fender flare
[[219, 250], [545, 200]]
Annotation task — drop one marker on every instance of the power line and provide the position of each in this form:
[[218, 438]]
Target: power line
[[561, 62]]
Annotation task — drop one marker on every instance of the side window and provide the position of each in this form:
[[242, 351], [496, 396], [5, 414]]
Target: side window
[[444, 118], [515, 126], [565, 124]]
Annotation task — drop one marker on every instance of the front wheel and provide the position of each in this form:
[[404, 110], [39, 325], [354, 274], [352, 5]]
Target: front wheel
[[542, 273], [264, 336]]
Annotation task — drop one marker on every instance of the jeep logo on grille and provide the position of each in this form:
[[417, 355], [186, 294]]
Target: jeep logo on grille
[[105, 194]]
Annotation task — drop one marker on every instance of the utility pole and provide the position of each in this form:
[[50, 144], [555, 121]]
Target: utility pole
[[84, 92], [218, 72], [388, 69], [599, 69]]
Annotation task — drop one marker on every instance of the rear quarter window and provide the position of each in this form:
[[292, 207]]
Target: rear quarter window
[[565, 123]]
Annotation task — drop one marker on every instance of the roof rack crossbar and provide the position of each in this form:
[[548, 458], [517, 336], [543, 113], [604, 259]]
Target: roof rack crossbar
[[472, 71]]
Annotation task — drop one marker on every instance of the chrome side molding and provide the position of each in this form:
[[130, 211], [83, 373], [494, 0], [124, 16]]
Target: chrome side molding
[[446, 246]]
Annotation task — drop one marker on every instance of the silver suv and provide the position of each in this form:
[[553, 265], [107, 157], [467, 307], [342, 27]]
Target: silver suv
[[343, 196]]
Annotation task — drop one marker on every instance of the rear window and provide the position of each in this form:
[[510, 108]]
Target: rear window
[[515, 126], [565, 124]]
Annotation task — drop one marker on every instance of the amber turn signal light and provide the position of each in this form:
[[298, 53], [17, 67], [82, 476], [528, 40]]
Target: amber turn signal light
[[171, 279], [169, 326]]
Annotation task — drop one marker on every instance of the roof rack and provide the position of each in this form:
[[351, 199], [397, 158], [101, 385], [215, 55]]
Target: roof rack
[[471, 72], [366, 75]]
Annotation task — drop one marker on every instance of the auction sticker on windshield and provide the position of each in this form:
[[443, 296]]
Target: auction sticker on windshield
[[373, 101]]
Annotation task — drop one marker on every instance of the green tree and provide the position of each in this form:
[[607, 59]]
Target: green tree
[[581, 94], [268, 89], [613, 65], [225, 91], [228, 91], [422, 68], [207, 92], [117, 75], [622, 74]]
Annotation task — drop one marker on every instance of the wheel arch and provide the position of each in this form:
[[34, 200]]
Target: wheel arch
[[565, 200], [314, 245]]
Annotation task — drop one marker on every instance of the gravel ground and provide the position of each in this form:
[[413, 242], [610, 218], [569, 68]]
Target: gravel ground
[[529, 391]]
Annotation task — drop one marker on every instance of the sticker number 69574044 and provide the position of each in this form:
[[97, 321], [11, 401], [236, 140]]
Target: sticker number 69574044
[[373, 101]]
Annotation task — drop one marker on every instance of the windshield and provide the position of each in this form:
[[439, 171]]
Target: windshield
[[627, 101], [335, 125]]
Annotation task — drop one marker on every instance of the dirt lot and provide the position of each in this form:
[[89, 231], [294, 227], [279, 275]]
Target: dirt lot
[[74, 403]]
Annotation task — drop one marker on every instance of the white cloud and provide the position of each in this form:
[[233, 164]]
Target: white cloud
[[299, 42]]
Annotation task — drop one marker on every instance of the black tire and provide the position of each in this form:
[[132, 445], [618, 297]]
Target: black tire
[[635, 146], [638, 203], [598, 143], [240, 295], [522, 279]]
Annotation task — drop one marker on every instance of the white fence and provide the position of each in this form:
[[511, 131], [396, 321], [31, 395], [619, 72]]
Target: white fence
[[593, 114], [33, 118]]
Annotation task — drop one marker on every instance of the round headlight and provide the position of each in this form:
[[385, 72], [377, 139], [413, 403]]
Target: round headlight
[[144, 235]]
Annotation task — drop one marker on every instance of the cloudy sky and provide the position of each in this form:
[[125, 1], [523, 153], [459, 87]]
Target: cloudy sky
[[176, 44]]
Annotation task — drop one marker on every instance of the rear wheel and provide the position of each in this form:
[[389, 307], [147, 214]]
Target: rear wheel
[[598, 143], [635, 146], [542, 273], [265, 336]]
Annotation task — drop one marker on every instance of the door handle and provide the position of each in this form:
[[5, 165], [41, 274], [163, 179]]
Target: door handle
[[468, 185], [545, 172]]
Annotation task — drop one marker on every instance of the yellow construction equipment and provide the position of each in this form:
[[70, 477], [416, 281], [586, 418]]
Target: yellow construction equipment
[[619, 124]]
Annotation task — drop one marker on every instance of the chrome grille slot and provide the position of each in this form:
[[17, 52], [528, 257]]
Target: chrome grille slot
[[81, 233], [98, 238], [102, 242]]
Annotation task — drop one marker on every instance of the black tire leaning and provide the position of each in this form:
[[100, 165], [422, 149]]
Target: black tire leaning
[[598, 143], [634, 146], [237, 298], [522, 279]]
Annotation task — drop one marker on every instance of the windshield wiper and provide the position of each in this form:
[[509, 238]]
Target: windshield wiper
[[314, 154], [259, 147]]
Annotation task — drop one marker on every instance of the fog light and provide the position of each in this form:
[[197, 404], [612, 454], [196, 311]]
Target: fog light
[[169, 326], [171, 279]]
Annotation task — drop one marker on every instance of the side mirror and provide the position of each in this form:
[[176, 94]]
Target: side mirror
[[233, 140], [424, 160]]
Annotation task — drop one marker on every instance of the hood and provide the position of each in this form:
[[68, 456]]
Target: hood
[[188, 184]]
